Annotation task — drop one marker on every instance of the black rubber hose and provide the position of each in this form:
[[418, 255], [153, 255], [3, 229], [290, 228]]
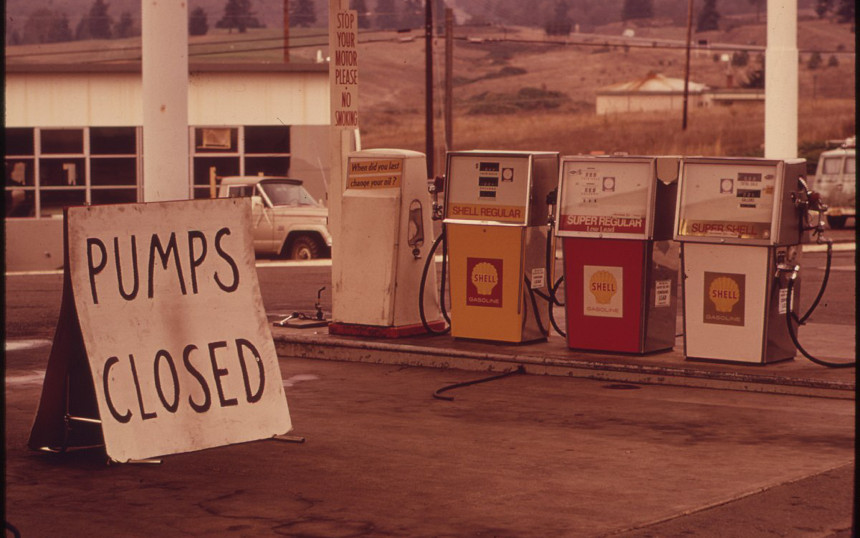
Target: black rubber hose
[[438, 394], [431, 260], [553, 294], [444, 274], [11, 528], [824, 280], [791, 332]]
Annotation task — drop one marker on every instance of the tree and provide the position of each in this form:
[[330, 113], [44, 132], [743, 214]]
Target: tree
[[125, 26], [757, 4], [822, 7], [845, 12], [96, 24], [815, 60], [303, 13], [740, 59], [198, 22], [637, 9], [709, 17], [559, 23], [46, 26], [238, 14], [386, 15]]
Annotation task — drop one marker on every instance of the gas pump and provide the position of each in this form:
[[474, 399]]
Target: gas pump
[[615, 218], [496, 230], [738, 221], [386, 234]]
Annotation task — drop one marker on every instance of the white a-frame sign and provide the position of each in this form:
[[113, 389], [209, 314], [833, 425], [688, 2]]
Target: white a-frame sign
[[162, 344]]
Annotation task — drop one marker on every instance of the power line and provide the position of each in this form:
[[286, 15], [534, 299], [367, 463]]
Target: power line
[[592, 42]]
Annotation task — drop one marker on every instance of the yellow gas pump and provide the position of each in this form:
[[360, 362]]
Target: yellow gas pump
[[496, 225], [738, 221], [386, 233], [615, 218]]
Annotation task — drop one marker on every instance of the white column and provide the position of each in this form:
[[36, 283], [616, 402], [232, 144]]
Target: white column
[[165, 101], [781, 80]]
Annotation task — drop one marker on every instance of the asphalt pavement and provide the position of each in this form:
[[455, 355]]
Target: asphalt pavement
[[573, 444]]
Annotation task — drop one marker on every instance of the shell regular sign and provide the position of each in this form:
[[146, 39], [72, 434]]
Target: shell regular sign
[[168, 306]]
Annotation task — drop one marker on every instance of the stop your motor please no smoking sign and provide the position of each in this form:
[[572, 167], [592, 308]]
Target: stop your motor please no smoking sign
[[161, 305]]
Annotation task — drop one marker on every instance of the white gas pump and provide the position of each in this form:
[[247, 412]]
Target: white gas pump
[[738, 221], [386, 233]]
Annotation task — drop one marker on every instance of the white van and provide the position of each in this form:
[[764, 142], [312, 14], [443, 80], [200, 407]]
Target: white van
[[835, 179], [287, 221]]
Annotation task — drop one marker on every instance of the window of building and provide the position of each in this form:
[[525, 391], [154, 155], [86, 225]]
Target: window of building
[[48, 169], [248, 150]]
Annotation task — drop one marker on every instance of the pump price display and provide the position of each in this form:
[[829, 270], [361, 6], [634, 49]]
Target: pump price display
[[727, 200], [608, 197], [488, 188]]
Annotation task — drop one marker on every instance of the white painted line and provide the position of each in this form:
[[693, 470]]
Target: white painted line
[[34, 378], [323, 262], [837, 247], [290, 381], [18, 345]]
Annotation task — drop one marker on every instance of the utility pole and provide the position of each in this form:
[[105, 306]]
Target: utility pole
[[687, 65], [428, 78], [449, 78], [286, 31]]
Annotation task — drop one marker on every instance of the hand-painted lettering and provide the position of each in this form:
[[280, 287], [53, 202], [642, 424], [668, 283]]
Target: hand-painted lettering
[[164, 255], [221, 252], [170, 381], [219, 373], [95, 269], [135, 276], [122, 419], [196, 261]]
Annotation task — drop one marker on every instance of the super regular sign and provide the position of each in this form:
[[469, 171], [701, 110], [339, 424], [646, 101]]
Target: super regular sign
[[173, 325]]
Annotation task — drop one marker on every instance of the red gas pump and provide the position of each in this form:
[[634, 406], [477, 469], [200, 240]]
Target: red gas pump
[[614, 218]]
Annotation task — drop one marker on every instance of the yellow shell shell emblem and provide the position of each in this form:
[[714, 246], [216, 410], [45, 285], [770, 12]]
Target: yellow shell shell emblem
[[603, 286], [724, 293], [485, 278]]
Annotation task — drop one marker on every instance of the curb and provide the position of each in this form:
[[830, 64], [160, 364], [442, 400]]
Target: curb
[[374, 352]]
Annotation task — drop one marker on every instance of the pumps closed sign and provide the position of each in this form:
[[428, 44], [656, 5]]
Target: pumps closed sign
[[168, 306]]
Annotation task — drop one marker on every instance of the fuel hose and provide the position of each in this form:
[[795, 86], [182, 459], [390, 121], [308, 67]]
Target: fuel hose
[[430, 260], [438, 394], [790, 318]]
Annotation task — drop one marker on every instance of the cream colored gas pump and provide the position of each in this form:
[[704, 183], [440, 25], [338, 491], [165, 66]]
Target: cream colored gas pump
[[615, 218], [738, 220], [496, 226], [386, 232]]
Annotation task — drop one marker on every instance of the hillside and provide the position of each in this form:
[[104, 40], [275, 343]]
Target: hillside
[[551, 84], [536, 13]]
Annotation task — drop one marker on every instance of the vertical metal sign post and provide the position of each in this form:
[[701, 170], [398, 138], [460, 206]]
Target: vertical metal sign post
[[343, 87]]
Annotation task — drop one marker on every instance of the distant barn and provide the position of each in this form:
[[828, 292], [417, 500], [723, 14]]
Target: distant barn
[[651, 93]]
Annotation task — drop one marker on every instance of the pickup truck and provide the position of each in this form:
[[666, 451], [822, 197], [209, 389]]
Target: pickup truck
[[835, 179], [288, 222]]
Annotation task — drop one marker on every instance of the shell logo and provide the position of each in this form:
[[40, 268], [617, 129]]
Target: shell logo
[[724, 293], [485, 278], [603, 286]]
